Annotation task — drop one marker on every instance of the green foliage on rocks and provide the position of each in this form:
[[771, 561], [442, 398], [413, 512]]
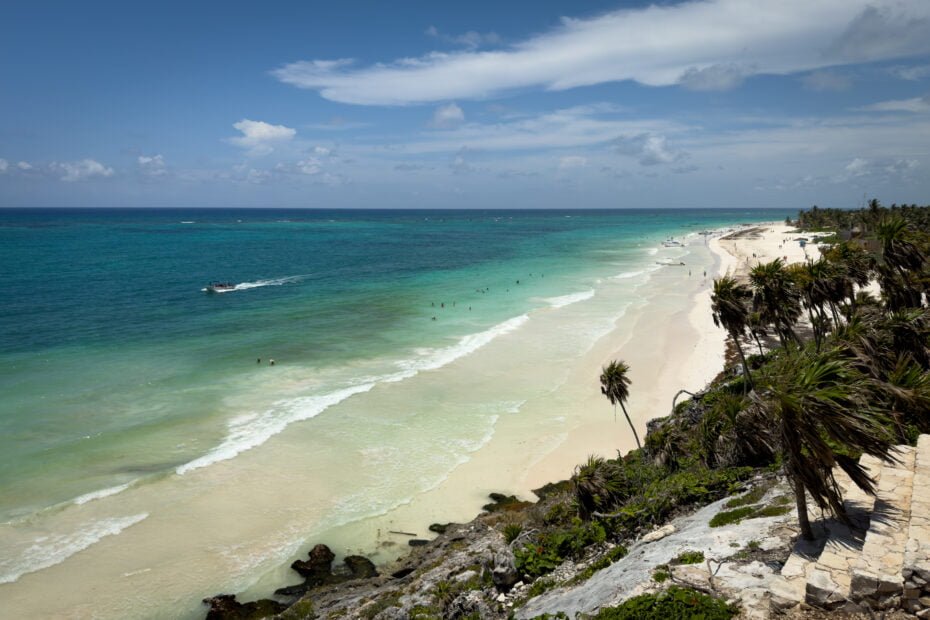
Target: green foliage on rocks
[[672, 604], [689, 557]]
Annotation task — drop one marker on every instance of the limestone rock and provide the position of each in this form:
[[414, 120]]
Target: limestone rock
[[659, 534], [504, 570]]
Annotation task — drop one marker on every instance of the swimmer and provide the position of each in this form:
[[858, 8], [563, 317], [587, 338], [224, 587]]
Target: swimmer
[[271, 362], [258, 361]]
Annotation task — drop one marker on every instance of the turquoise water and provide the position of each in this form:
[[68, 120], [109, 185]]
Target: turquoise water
[[117, 367]]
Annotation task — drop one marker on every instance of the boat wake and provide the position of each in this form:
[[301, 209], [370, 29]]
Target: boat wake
[[244, 286]]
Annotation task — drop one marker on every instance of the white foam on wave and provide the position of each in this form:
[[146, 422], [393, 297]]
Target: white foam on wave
[[89, 497], [567, 300], [626, 275], [47, 551], [252, 430], [432, 359], [248, 431]]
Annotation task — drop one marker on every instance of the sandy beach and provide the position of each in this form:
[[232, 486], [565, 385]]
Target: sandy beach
[[269, 505]]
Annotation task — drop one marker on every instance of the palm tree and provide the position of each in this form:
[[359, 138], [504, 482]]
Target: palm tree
[[776, 299], [903, 259], [615, 385], [598, 484], [729, 305], [823, 410]]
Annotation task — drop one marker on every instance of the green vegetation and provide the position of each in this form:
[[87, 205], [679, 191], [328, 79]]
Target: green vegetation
[[601, 563], [754, 496], [511, 531], [551, 548], [672, 604], [731, 516], [661, 575], [689, 557]]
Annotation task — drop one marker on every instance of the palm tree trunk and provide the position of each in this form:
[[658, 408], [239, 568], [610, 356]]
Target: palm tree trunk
[[801, 499], [742, 358], [755, 337], [632, 428]]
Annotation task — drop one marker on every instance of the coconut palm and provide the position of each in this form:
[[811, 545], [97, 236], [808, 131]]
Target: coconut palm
[[615, 385], [903, 262], [776, 299], [822, 410], [729, 305]]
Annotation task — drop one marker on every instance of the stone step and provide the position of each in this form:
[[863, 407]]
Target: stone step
[[828, 580], [916, 571], [877, 580]]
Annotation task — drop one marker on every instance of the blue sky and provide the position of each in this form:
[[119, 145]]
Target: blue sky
[[731, 103]]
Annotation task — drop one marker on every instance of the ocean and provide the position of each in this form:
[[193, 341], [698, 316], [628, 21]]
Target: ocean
[[127, 389]]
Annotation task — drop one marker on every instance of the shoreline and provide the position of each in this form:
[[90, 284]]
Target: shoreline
[[691, 355]]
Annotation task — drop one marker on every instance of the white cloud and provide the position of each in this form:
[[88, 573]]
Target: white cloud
[[4, 164], [310, 166], [913, 74], [710, 44], [447, 116], [916, 104], [471, 39], [649, 149], [25, 166], [572, 161], [885, 169], [259, 136], [78, 170], [826, 81], [152, 166], [714, 77]]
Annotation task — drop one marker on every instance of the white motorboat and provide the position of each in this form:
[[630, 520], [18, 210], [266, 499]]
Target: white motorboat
[[672, 243], [220, 287]]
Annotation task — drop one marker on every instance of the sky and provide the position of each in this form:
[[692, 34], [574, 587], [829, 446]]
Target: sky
[[424, 104]]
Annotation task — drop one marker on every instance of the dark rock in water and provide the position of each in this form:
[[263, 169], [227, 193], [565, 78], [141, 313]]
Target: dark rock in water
[[439, 528], [505, 503], [552, 488], [417, 542], [360, 567], [225, 607], [504, 570], [400, 574], [318, 568]]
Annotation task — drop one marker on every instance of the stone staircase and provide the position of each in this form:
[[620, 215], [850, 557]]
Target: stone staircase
[[883, 562]]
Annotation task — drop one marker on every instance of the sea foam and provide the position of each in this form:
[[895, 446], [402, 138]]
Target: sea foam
[[567, 300], [252, 430], [54, 549], [89, 497]]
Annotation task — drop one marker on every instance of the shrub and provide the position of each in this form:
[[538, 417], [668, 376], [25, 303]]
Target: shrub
[[672, 604], [689, 557], [727, 517], [511, 531]]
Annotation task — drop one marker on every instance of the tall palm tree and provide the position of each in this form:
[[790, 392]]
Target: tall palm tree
[[729, 303], [615, 385], [776, 299], [823, 410]]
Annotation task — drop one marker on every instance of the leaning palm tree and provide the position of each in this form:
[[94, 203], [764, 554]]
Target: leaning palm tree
[[729, 305], [823, 409], [615, 385]]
